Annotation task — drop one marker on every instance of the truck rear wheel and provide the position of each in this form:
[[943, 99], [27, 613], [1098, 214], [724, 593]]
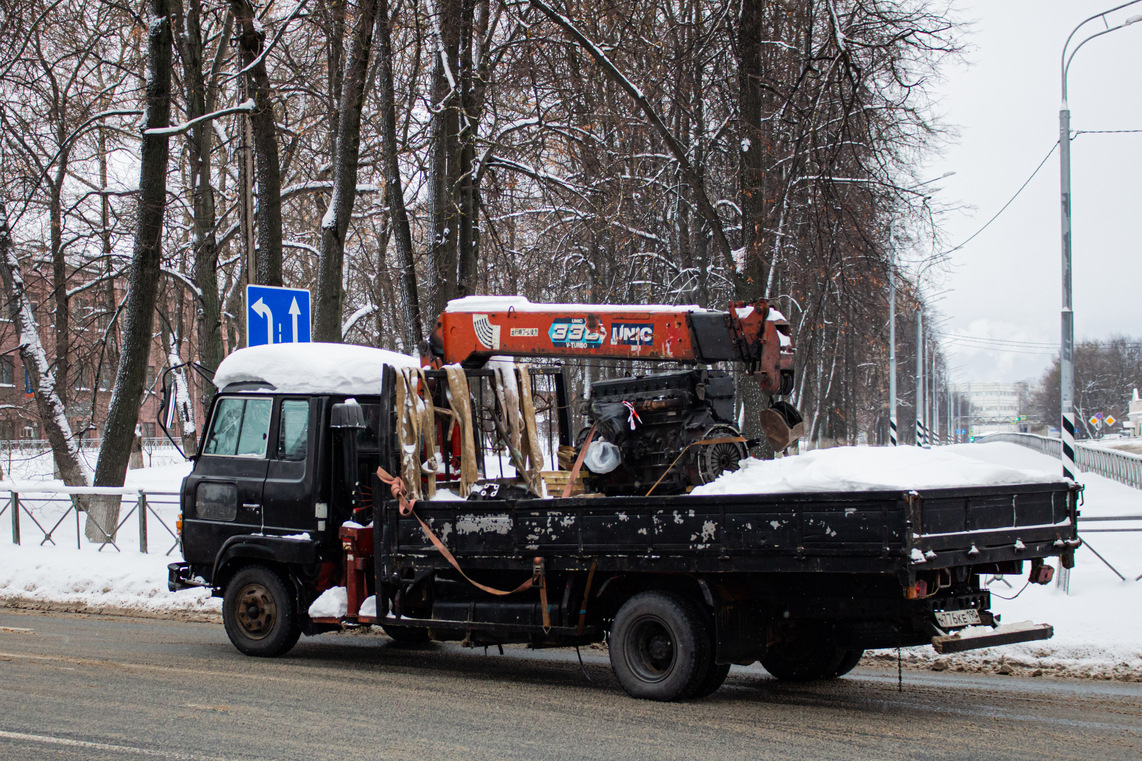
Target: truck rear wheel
[[807, 658], [259, 613], [660, 647], [848, 662]]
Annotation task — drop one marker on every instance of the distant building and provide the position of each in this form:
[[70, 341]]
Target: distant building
[[1133, 425], [91, 371], [995, 407]]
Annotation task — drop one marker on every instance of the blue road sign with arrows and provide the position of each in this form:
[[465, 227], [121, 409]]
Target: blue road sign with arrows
[[276, 315]]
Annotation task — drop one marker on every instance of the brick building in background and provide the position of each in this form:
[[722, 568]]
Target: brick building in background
[[92, 358]]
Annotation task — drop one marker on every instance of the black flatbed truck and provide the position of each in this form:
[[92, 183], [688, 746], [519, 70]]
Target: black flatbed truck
[[680, 586]]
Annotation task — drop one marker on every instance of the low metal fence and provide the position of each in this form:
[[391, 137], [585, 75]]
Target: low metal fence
[[149, 444], [1123, 467], [49, 514]]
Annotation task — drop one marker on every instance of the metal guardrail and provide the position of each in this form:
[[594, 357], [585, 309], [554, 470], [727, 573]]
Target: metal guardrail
[[45, 508], [40, 446], [1123, 467]]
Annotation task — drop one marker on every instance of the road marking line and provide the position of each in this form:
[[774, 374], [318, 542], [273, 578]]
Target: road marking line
[[49, 740], [15, 630]]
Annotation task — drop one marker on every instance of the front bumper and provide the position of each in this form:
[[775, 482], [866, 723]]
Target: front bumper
[[180, 576]]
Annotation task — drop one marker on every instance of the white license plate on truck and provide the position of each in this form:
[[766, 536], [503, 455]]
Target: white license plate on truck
[[949, 619]]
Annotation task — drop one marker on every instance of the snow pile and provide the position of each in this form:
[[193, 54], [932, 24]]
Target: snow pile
[[308, 368], [97, 581], [521, 304], [869, 469], [333, 603]]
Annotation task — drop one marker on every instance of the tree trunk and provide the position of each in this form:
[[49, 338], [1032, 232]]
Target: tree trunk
[[467, 193], [413, 325], [328, 307], [59, 272], [199, 149], [442, 246], [142, 285], [754, 163], [267, 171]]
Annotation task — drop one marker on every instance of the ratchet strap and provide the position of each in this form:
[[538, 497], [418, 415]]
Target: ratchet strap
[[578, 463], [400, 493], [703, 442], [586, 595]]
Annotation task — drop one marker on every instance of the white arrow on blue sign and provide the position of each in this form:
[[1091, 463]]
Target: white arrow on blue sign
[[276, 315]]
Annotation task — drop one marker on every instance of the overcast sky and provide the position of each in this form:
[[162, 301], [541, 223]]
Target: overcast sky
[[1005, 286]]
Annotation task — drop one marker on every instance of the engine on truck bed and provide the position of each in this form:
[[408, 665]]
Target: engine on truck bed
[[668, 431]]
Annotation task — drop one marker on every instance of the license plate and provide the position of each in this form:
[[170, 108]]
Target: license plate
[[949, 619]]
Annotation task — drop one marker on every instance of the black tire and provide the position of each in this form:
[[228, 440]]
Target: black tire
[[406, 635], [848, 662], [260, 613], [715, 678], [660, 647], [807, 656]]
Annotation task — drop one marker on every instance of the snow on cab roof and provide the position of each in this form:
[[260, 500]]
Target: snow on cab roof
[[521, 304], [311, 368]]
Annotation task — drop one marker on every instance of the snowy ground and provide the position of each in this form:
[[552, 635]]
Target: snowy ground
[[1098, 625]]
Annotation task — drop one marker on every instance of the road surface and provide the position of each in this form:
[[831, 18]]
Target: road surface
[[90, 687]]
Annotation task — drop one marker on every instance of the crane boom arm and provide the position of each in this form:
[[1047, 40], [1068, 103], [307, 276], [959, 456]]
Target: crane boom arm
[[470, 331]]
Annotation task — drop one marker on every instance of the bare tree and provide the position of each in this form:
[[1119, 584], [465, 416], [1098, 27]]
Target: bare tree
[[335, 224], [268, 214], [142, 283]]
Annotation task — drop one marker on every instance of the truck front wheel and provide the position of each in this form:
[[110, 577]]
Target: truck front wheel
[[660, 647], [260, 613]]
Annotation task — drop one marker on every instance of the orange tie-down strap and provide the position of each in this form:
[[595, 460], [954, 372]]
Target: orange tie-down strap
[[400, 493], [703, 442]]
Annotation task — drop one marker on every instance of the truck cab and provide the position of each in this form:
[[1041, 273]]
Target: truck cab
[[277, 472]]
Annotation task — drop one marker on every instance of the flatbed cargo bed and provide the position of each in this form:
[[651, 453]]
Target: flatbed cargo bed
[[830, 532]]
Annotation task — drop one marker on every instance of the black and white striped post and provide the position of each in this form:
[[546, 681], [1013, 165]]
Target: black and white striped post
[[892, 435]]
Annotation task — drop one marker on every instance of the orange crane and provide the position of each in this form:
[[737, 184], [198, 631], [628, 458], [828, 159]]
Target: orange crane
[[472, 330]]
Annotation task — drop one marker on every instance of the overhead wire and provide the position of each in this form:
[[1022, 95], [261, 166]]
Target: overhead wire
[[1002, 341], [1004, 207], [1011, 200]]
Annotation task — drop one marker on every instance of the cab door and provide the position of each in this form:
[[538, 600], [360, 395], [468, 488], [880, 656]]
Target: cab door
[[289, 493], [222, 497]]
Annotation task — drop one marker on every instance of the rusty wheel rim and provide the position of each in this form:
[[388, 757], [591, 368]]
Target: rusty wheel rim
[[256, 611]]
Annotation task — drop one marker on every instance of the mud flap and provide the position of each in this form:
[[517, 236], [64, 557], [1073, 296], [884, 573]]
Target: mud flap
[[782, 425]]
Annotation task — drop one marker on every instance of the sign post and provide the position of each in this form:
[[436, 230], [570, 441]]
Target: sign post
[[277, 315]]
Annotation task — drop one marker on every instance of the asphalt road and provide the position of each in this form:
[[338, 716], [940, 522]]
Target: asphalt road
[[88, 687]]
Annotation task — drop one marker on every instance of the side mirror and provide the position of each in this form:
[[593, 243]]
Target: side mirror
[[167, 409]]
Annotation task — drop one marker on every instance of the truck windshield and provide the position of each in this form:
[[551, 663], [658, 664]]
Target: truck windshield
[[241, 428]]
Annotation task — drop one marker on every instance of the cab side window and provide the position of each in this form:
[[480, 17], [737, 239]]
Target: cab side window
[[241, 428], [293, 429]]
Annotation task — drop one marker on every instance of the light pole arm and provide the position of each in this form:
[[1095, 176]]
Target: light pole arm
[[1065, 60]]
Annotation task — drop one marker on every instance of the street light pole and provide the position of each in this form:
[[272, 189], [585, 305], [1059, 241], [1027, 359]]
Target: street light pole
[[1066, 350], [891, 346], [919, 376], [892, 428]]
